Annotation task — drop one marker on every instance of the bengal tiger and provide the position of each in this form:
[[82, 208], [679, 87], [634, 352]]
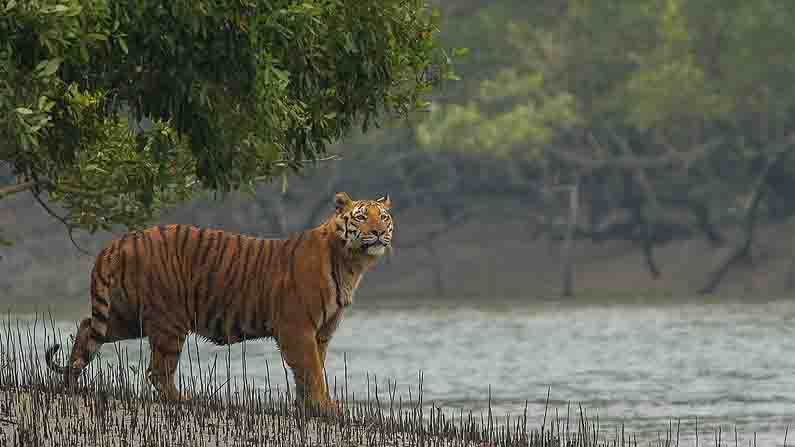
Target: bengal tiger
[[168, 281]]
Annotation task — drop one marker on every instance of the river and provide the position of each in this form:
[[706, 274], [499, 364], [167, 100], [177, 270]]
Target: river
[[727, 364]]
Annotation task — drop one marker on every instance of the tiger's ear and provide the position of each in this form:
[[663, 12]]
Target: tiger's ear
[[386, 201], [342, 201]]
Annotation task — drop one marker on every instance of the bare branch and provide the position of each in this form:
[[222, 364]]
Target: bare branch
[[283, 163], [670, 159], [640, 177], [638, 173], [743, 250], [69, 227], [19, 187]]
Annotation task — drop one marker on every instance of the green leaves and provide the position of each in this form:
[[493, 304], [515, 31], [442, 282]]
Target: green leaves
[[48, 67], [666, 109], [238, 92], [511, 116], [662, 95], [122, 177]]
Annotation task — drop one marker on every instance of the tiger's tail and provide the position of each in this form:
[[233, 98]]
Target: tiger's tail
[[87, 343], [48, 358], [91, 332]]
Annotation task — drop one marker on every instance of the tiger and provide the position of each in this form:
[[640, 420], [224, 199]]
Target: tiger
[[169, 281]]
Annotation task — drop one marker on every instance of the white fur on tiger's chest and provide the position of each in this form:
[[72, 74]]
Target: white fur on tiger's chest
[[346, 288]]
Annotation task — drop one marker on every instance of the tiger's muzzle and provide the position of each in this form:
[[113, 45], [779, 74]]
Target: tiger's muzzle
[[375, 246]]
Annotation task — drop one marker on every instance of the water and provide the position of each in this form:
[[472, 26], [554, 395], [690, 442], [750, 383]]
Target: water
[[725, 364]]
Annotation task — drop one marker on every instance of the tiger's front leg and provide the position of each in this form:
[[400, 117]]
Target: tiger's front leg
[[166, 350], [300, 350]]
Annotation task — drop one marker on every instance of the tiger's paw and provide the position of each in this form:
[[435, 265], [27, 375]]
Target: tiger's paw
[[185, 398], [174, 396], [326, 409]]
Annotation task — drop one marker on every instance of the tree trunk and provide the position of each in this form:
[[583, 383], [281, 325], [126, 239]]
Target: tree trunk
[[437, 265], [704, 220], [791, 275], [743, 251], [568, 244], [647, 242], [648, 252]]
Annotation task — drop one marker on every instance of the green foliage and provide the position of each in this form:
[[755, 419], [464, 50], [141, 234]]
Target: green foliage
[[672, 92], [125, 177], [666, 110], [510, 116], [239, 91]]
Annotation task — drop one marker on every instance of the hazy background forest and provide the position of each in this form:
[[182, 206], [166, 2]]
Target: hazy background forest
[[672, 119]]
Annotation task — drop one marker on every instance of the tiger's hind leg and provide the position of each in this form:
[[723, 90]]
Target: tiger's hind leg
[[166, 350]]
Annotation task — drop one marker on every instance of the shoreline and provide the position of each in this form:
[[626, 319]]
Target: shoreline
[[102, 415], [42, 416], [115, 406]]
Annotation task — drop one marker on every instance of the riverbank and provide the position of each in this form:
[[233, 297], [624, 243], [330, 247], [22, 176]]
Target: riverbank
[[41, 416], [114, 405], [47, 418], [44, 418]]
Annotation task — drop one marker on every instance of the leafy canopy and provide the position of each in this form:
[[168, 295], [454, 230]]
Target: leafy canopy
[[117, 109], [687, 98]]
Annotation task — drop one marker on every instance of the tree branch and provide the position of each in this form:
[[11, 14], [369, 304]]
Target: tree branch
[[743, 250], [702, 213], [567, 288], [670, 159], [647, 226], [19, 187], [283, 163], [69, 227]]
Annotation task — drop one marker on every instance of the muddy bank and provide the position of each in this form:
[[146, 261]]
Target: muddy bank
[[99, 417]]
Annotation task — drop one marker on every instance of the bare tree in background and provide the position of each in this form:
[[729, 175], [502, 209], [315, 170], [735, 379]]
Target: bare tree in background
[[743, 251]]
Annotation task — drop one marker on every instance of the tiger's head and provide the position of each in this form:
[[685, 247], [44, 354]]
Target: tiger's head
[[364, 226]]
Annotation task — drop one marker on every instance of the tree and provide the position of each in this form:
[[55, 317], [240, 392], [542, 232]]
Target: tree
[[114, 110], [665, 110]]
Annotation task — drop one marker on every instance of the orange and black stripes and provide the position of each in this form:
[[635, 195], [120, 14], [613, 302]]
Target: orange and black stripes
[[167, 281], [200, 269]]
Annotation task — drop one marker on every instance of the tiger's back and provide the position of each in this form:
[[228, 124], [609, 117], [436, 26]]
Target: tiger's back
[[221, 285]]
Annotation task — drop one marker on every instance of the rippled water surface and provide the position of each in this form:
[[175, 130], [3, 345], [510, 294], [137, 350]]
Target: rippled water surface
[[646, 365]]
